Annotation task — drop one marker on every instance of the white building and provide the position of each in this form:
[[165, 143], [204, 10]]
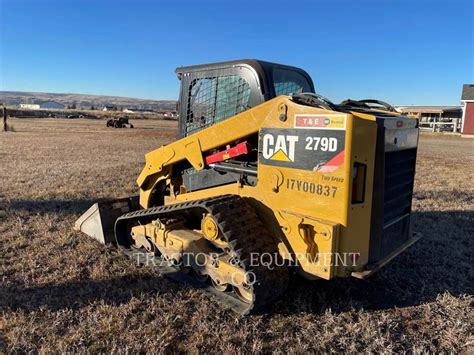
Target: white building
[[30, 106]]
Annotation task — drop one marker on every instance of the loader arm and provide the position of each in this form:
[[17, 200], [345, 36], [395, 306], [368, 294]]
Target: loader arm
[[192, 148]]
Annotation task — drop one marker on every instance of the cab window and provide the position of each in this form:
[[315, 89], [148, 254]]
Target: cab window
[[288, 82]]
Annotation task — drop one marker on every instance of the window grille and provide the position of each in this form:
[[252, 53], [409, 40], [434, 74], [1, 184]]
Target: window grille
[[214, 99], [287, 88]]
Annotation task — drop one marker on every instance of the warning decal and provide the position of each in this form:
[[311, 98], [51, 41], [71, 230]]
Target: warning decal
[[330, 121], [305, 149]]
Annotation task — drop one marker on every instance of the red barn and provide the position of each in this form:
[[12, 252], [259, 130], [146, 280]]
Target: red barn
[[467, 101]]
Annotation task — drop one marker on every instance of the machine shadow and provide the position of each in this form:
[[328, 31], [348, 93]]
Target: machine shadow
[[65, 207], [78, 294], [438, 263]]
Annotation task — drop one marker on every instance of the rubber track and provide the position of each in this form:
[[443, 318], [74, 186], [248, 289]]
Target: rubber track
[[246, 234]]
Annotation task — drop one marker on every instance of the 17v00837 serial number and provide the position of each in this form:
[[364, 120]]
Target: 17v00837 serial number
[[311, 187]]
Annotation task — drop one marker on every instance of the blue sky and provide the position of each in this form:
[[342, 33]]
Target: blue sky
[[404, 52]]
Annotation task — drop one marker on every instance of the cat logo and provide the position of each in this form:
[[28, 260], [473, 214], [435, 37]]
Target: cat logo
[[280, 148]]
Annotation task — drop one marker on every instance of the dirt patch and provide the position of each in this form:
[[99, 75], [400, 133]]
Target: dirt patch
[[63, 292]]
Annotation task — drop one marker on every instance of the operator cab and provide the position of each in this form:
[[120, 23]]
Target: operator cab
[[213, 92]]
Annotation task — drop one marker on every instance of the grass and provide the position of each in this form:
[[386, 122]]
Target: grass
[[62, 292]]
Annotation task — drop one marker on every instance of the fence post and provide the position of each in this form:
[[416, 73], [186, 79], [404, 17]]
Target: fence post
[[5, 115]]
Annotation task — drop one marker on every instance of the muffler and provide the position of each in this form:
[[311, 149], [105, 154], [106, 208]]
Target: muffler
[[99, 220]]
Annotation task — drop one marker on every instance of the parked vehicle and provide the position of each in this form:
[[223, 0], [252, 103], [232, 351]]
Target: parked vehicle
[[121, 122]]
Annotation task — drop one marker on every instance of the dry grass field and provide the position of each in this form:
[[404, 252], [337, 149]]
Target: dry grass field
[[61, 291]]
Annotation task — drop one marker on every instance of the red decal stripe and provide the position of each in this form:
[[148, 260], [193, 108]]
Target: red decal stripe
[[333, 164]]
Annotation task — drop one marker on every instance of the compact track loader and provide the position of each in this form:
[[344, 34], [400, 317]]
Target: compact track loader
[[267, 178]]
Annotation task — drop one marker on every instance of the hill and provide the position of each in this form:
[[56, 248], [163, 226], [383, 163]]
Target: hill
[[85, 101]]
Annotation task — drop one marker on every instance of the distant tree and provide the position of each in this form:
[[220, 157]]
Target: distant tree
[[73, 106], [92, 108]]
